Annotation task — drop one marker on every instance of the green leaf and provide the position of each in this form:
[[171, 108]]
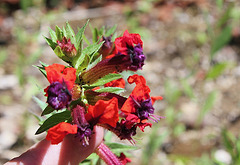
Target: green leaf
[[54, 120], [154, 143], [115, 90], [84, 63], [59, 33], [106, 79], [47, 110], [42, 70], [61, 55], [70, 33], [86, 40], [43, 64], [53, 35], [172, 92], [216, 70], [64, 32], [228, 140], [108, 136], [79, 35], [91, 160], [226, 16], [118, 147], [221, 40], [207, 106], [111, 30], [188, 90], [92, 49], [95, 62], [95, 35], [41, 103], [51, 43]]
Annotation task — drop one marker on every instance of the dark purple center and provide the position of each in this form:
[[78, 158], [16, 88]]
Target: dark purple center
[[58, 96], [84, 133], [137, 57], [124, 132], [108, 42], [84, 128], [144, 108]]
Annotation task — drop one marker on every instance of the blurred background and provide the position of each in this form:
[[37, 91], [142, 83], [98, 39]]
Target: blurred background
[[193, 61]]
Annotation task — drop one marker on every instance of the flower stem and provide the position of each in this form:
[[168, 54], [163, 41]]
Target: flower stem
[[106, 155]]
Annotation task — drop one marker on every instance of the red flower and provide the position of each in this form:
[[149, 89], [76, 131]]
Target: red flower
[[155, 98], [139, 93], [139, 102], [58, 72], [133, 120], [124, 160], [122, 44], [59, 131], [103, 112], [116, 83], [61, 82]]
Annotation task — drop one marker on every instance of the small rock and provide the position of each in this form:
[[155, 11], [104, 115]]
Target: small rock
[[8, 81], [223, 156], [190, 113]]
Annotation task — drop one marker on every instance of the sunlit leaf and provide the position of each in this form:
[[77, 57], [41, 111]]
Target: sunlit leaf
[[54, 120], [216, 70], [106, 79], [115, 90], [221, 40]]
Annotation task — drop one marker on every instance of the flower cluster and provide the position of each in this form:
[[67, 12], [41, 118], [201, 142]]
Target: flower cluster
[[87, 90]]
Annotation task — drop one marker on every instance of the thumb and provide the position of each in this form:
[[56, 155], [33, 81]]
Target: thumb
[[69, 151]]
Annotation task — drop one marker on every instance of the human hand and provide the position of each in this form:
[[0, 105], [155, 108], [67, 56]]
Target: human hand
[[69, 151]]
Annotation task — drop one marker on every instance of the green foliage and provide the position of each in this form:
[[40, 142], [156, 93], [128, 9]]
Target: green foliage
[[40, 103], [115, 90], [54, 120], [61, 55], [187, 89], [221, 40], [117, 148], [216, 70], [79, 35], [3, 55], [207, 106], [104, 80], [172, 92], [25, 4], [232, 145], [47, 110], [42, 68], [154, 142]]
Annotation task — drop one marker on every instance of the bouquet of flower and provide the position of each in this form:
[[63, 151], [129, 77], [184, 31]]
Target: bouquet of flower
[[87, 90]]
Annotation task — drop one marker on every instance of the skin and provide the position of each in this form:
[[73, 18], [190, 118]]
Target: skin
[[69, 151]]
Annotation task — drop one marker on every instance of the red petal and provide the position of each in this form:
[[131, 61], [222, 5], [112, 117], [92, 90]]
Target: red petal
[[143, 125], [116, 83], [58, 72], [59, 131], [54, 72], [122, 43], [154, 98], [128, 106], [124, 160], [105, 112], [139, 93]]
